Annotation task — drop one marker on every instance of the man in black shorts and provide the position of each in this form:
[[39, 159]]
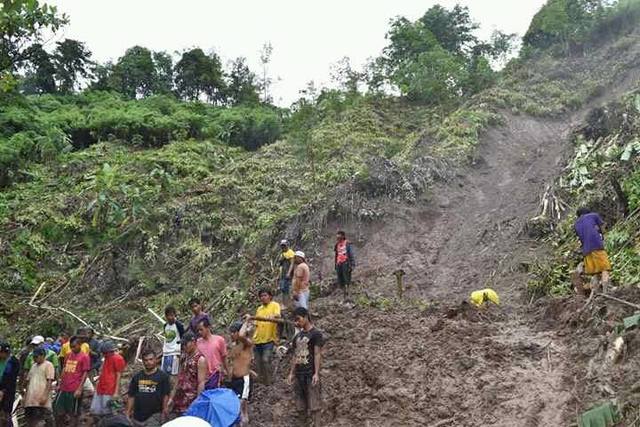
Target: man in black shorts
[[305, 368]]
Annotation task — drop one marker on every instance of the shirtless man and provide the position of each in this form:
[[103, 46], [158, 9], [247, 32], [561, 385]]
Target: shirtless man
[[239, 373]]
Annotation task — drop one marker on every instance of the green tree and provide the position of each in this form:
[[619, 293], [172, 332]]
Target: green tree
[[198, 74], [135, 73], [39, 72], [102, 76], [453, 29], [242, 87], [22, 24], [266, 80], [164, 72], [346, 76], [72, 62], [566, 23]]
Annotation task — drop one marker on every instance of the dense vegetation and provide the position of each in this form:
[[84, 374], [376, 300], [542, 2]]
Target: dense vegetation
[[156, 177]]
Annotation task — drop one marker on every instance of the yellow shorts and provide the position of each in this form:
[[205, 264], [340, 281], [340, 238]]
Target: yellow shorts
[[596, 262]]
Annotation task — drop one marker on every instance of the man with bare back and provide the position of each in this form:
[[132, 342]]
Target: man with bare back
[[240, 358]]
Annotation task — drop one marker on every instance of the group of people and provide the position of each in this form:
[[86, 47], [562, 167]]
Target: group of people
[[294, 274], [55, 377]]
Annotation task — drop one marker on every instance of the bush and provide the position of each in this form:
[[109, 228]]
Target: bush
[[249, 128]]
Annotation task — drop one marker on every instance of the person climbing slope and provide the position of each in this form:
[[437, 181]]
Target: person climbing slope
[[590, 229], [345, 262]]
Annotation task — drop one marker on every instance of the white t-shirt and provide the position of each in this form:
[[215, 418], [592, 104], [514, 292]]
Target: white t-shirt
[[171, 340]]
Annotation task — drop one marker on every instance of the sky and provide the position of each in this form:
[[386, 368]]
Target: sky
[[307, 37]]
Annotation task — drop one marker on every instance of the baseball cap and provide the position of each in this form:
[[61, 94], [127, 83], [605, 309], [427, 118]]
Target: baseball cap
[[107, 347], [37, 340], [301, 254], [284, 242], [5, 347]]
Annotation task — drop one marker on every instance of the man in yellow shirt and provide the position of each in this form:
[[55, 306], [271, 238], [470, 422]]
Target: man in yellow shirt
[[285, 272], [265, 337]]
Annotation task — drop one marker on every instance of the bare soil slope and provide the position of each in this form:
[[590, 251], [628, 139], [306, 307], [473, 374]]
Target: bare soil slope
[[409, 365]]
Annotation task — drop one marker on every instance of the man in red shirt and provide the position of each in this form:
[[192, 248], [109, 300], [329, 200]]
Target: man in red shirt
[[345, 262], [76, 366], [109, 380]]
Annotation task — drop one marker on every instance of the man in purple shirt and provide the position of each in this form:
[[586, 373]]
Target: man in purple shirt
[[589, 228], [198, 314]]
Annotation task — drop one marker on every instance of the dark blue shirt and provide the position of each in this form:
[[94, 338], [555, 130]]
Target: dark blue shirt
[[588, 231], [8, 383]]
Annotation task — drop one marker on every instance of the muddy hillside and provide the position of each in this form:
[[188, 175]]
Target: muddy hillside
[[429, 359]]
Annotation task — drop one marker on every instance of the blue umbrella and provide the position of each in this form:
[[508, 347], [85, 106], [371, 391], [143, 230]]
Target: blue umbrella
[[220, 407]]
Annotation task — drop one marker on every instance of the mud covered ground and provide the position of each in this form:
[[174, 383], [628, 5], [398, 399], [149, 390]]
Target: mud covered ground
[[393, 362]]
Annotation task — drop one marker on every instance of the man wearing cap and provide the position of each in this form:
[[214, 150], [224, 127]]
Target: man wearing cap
[[38, 342], [265, 337], [108, 386], [192, 376], [76, 368], [301, 277], [9, 370], [37, 398], [240, 367], [286, 269]]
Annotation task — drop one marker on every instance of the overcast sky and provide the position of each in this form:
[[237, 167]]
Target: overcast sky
[[307, 37]]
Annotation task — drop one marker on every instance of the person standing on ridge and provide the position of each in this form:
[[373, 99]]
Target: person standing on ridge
[[198, 314], [305, 368], [590, 229], [285, 270], [265, 337], [345, 262], [173, 332], [9, 372]]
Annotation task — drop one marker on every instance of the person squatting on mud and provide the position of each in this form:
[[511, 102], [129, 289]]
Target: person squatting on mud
[[239, 373], [304, 375], [301, 277], [345, 262], [590, 230], [265, 337]]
